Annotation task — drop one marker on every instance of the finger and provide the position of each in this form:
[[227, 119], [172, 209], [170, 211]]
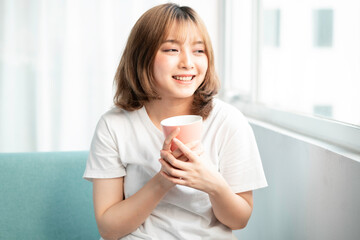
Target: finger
[[169, 138], [186, 151], [183, 158], [192, 145], [199, 152], [168, 157], [170, 170], [177, 153], [179, 181]]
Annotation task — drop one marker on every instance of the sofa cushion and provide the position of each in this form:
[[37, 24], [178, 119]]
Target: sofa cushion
[[43, 196]]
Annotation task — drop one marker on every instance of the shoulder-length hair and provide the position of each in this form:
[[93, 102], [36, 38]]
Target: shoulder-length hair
[[134, 80]]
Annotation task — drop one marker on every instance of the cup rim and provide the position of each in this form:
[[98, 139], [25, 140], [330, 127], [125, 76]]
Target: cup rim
[[168, 122]]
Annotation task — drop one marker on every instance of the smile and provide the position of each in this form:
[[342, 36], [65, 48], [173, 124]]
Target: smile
[[184, 78]]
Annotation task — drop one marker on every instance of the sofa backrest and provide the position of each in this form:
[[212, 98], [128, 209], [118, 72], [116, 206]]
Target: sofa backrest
[[43, 196]]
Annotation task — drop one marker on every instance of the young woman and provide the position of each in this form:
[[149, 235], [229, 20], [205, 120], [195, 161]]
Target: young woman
[[199, 191]]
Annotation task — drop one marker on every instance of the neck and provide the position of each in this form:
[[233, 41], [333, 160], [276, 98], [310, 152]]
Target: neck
[[158, 110]]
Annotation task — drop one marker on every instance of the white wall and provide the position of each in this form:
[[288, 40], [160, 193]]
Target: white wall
[[313, 193]]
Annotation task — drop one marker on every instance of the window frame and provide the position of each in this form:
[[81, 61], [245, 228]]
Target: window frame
[[336, 133]]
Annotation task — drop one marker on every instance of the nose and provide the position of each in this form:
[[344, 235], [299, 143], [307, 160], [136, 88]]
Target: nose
[[186, 61]]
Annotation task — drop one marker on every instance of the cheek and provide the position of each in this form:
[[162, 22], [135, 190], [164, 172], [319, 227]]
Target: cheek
[[161, 64], [158, 67], [204, 66], [204, 62]]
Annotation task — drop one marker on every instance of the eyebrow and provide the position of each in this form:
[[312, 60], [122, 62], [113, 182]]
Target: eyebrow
[[178, 42]]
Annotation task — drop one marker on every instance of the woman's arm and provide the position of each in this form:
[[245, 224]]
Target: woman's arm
[[116, 217], [233, 210]]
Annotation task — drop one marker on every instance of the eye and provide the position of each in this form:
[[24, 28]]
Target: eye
[[170, 50], [200, 51]]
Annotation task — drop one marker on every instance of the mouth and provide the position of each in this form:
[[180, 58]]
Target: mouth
[[183, 78]]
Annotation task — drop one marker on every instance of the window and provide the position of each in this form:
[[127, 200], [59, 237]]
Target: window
[[271, 23], [237, 51], [306, 63], [323, 27], [305, 77]]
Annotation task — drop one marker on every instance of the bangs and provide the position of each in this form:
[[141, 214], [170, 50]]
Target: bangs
[[180, 29], [182, 21]]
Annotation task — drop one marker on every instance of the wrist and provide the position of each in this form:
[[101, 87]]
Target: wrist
[[163, 183], [218, 187]]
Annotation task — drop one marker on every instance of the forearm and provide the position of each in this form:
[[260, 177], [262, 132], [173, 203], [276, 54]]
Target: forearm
[[127, 215], [229, 208]]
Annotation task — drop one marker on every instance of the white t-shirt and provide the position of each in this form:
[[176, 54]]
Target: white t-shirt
[[128, 144]]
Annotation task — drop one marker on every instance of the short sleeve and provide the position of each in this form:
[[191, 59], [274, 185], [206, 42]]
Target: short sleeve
[[240, 162], [103, 160]]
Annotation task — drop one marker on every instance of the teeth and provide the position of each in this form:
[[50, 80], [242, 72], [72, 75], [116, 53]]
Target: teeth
[[183, 78]]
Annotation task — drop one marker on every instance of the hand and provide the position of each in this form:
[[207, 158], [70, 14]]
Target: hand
[[194, 146], [167, 146], [196, 172]]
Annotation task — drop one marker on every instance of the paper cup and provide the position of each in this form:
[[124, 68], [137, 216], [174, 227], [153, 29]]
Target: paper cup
[[190, 128]]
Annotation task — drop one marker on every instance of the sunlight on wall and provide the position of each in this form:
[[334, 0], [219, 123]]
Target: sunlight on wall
[[57, 63]]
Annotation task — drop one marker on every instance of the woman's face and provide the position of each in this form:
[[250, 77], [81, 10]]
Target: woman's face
[[180, 65]]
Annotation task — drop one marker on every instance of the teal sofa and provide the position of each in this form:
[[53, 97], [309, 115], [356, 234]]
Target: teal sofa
[[43, 196]]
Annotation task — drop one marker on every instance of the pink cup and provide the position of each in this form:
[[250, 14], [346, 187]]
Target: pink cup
[[190, 128]]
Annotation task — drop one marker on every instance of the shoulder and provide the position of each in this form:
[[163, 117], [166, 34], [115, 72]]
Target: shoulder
[[113, 113], [117, 114], [227, 113], [116, 118]]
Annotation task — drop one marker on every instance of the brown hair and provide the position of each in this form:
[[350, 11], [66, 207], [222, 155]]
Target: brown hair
[[134, 80]]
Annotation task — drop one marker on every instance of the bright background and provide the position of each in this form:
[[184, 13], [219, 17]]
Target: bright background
[[58, 59], [57, 64]]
